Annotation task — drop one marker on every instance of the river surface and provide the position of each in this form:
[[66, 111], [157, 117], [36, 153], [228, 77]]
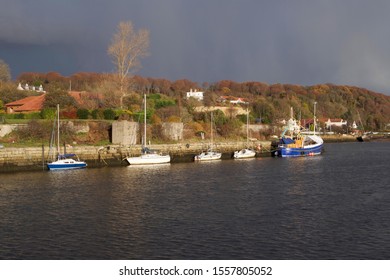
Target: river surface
[[333, 206]]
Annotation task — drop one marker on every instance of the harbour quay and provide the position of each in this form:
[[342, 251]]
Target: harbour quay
[[35, 158]]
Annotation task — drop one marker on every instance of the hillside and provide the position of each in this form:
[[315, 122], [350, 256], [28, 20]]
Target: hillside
[[272, 102], [267, 103]]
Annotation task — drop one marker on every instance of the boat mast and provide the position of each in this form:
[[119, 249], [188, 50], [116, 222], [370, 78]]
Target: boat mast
[[144, 119], [314, 120], [361, 123], [247, 127], [58, 130], [211, 130]]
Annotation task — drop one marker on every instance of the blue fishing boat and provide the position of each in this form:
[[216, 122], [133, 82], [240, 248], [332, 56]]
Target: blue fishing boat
[[298, 144]]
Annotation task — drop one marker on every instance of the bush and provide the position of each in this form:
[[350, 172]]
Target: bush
[[109, 114], [230, 128], [19, 116], [69, 113], [82, 114], [58, 96], [124, 115], [164, 103], [35, 131], [154, 96], [174, 119], [219, 118], [48, 114], [97, 114], [33, 116]]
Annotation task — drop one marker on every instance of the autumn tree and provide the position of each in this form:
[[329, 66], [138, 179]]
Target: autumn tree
[[5, 74], [59, 96], [127, 47]]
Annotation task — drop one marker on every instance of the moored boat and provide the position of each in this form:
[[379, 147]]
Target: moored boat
[[362, 135], [297, 144], [67, 161], [148, 156], [301, 145], [64, 161], [209, 154], [246, 152]]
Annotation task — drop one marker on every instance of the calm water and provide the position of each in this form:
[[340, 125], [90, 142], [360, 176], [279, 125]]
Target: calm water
[[334, 206]]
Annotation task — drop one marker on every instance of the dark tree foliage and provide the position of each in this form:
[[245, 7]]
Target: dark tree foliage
[[60, 97], [82, 114]]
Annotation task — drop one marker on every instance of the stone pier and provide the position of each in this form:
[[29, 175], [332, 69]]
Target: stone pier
[[35, 158]]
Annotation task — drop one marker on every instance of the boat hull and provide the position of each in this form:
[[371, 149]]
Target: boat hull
[[293, 148], [58, 165], [149, 159], [244, 153], [314, 150], [208, 156]]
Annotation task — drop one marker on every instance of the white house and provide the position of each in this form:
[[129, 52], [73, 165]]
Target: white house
[[33, 88], [335, 122], [195, 94], [233, 99]]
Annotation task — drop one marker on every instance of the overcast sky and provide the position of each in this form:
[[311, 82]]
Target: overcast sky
[[280, 41]]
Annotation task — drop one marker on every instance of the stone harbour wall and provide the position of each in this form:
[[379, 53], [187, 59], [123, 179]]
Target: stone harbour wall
[[19, 159]]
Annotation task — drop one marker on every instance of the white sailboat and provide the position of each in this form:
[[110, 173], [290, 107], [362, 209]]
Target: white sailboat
[[148, 156], [362, 135], [64, 161], [247, 152], [209, 154]]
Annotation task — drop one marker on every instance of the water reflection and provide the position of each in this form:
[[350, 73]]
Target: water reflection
[[264, 208]]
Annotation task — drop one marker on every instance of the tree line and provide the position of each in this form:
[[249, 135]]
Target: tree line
[[267, 103]]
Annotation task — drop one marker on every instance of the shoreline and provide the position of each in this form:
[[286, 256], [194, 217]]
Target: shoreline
[[35, 158]]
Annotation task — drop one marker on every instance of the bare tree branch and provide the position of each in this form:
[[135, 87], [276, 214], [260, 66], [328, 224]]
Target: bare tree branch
[[126, 49], [5, 73]]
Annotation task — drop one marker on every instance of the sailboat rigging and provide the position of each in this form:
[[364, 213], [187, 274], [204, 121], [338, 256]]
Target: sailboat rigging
[[147, 156], [63, 161], [209, 154], [247, 152], [362, 136]]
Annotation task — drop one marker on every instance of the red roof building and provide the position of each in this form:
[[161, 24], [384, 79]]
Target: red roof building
[[28, 104], [35, 103]]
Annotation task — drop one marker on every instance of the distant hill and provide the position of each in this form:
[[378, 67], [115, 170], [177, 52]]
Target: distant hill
[[268, 103], [272, 102]]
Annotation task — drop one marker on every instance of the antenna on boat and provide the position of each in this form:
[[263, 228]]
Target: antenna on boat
[[314, 118]]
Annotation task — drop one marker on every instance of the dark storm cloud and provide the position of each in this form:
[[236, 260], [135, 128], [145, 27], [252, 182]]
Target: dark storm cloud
[[298, 41]]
